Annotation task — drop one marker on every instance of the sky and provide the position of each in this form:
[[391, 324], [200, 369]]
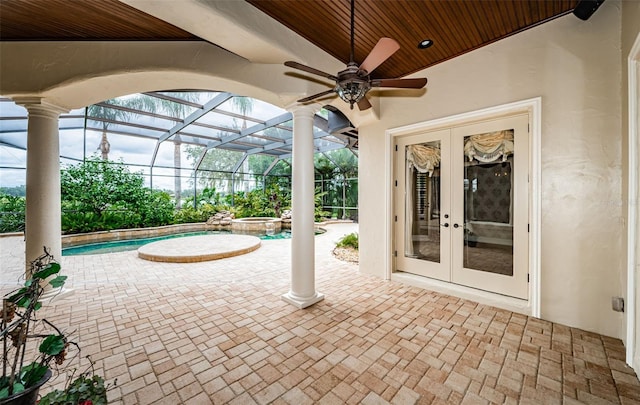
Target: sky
[[130, 149], [136, 151]]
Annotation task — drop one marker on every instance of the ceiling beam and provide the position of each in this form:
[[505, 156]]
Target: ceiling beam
[[196, 166], [318, 133], [194, 116], [253, 129], [271, 166], [12, 145], [174, 99], [271, 146], [240, 162], [135, 111]]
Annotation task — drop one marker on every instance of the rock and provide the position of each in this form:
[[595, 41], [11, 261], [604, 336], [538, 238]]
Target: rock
[[346, 254]]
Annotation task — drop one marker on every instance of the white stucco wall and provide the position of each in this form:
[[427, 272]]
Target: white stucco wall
[[76, 74], [630, 34], [575, 67]]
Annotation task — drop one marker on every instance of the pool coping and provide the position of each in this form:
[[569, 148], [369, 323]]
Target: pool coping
[[198, 248], [140, 233]]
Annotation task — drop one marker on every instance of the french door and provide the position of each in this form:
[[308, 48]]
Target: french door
[[462, 205]]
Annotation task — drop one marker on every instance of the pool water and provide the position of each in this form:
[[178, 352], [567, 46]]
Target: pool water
[[133, 244]]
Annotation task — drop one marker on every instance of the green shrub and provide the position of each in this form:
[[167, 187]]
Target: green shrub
[[11, 213], [319, 213], [350, 240], [261, 203], [188, 214], [100, 195], [157, 210]]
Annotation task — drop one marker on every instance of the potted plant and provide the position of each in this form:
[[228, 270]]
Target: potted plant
[[21, 332]]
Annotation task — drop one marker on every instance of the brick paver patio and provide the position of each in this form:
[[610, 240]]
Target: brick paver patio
[[218, 332]]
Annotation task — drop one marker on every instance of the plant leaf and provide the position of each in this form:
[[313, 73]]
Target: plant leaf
[[50, 269], [15, 297], [4, 382], [31, 374], [23, 302], [58, 281], [52, 345], [18, 387], [37, 306]]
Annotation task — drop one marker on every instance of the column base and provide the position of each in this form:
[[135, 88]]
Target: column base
[[301, 303]]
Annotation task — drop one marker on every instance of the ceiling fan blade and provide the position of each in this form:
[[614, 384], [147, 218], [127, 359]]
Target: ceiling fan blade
[[324, 93], [416, 83], [364, 104], [308, 69], [381, 52]]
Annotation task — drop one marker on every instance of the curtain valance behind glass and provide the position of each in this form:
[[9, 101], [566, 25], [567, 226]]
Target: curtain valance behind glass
[[489, 147]]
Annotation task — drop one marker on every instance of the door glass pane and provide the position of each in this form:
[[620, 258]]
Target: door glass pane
[[422, 201], [488, 202]]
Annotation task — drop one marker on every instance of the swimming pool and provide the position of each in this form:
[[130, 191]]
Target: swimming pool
[[133, 244]]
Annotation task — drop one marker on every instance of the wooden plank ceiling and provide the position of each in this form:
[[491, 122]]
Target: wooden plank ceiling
[[456, 27], [82, 20]]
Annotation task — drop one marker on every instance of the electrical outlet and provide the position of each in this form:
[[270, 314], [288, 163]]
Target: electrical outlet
[[617, 304]]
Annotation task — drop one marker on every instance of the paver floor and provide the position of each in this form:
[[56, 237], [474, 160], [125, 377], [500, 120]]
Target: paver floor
[[218, 332]]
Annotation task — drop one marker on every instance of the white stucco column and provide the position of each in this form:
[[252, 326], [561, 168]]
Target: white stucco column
[[43, 223], [303, 277]]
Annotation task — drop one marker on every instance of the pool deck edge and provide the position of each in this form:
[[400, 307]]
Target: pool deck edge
[[195, 249]]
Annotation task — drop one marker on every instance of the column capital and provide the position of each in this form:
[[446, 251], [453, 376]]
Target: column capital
[[299, 109], [39, 107]]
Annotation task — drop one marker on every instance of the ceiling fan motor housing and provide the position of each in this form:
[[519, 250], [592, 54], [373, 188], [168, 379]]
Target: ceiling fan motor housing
[[352, 84]]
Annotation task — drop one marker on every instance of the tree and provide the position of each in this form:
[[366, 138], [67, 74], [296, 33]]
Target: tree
[[95, 185], [17, 191], [215, 169], [244, 106], [335, 168], [121, 111], [12, 209], [124, 110], [103, 195], [257, 164], [176, 110]]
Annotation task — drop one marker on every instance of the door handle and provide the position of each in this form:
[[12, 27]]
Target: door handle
[[446, 224], [456, 226]]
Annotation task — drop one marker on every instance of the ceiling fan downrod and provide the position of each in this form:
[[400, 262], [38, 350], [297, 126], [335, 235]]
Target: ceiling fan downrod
[[353, 83]]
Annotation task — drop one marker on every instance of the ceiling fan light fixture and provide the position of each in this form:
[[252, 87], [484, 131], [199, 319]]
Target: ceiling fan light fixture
[[353, 90], [425, 43], [353, 83]]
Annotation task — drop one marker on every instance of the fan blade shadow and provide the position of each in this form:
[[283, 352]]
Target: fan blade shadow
[[309, 69], [313, 97]]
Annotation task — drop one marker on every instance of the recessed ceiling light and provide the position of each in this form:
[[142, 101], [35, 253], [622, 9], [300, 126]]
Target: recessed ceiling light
[[425, 43]]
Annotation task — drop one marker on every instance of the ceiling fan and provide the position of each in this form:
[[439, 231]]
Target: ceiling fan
[[353, 83]]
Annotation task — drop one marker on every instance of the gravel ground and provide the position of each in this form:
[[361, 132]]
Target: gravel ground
[[346, 254]]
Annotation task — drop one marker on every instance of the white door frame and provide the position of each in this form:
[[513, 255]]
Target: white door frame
[[633, 65], [534, 109]]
